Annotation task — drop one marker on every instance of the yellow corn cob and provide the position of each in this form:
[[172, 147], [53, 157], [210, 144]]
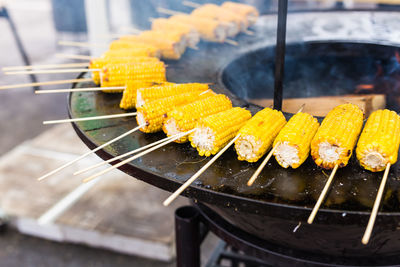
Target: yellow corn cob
[[250, 12], [213, 11], [172, 44], [119, 74], [209, 29], [379, 141], [336, 137], [139, 51], [166, 25], [292, 145], [257, 135], [128, 100], [154, 112], [99, 63], [184, 118], [145, 95], [214, 132], [116, 45]]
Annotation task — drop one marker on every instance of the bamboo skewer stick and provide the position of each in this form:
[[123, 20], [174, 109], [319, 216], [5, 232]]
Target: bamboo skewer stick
[[125, 155], [82, 57], [21, 85], [322, 196], [47, 66], [81, 44], [50, 71], [197, 174], [92, 118], [135, 157], [191, 4], [261, 167], [374, 213], [267, 158], [91, 151], [89, 89]]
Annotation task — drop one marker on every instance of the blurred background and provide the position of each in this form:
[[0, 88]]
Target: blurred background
[[40, 25]]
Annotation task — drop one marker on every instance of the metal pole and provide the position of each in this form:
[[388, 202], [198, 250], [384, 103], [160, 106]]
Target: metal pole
[[187, 236], [25, 58], [280, 53]]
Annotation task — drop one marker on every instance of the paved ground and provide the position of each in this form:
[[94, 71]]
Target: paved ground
[[21, 116]]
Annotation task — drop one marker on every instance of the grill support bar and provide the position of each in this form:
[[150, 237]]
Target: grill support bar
[[280, 53]]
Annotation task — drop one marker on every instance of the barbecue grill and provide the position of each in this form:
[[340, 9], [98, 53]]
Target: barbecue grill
[[276, 207]]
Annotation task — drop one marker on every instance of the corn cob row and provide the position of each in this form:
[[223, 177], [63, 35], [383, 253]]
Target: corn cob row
[[139, 50], [184, 118], [153, 113], [336, 137], [379, 141], [292, 145], [126, 44], [128, 100], [257, 135], [212, 133], [118, 75], [148, 94]]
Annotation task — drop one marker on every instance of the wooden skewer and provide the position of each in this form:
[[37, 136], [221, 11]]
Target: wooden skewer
[[48, 66], [267, 158], [261, 167], [135, 157], [21, 85], [50, 71], [81, 44], [125, 155], [191, 4], [197, 174], [83, 57], [91, 151], [92, 118], [322, 196], [374, 213], [89, 89]]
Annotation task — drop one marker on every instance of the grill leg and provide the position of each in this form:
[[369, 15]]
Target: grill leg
[[4, 13], [187, 231]]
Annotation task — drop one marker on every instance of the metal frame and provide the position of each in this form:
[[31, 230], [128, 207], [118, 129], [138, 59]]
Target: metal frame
[[4, 14]]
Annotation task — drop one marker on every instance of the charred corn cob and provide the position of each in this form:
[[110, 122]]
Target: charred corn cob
[[148, 94], [184, 118], [212, 11], [153, 113], [292, 145], [214, 132], [128, 100], [336, 137], [250, 12], [209, 29], [124, 44], [257, 135], [119, 74], [99, 63], [166, 25], [172, 44], [379, 141]]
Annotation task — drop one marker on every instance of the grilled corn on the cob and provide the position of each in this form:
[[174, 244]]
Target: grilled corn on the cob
[[379, 141], [292, 145], [184, 118], [166, 25], [119, 74], [250, 12], [148, 94], [335, 139], [257, 135], [212, 133], [153, 113]]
